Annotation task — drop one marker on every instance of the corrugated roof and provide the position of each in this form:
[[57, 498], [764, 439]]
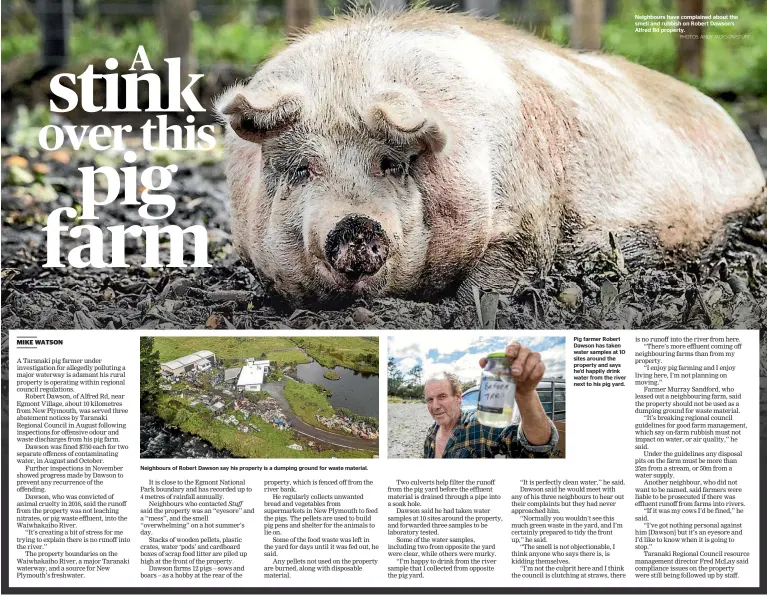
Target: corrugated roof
[[231, 374], [259, 362], [189, 359]]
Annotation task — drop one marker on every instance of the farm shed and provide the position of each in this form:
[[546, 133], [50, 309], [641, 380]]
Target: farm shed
[[252, 375], [196, 362], [231, 374]]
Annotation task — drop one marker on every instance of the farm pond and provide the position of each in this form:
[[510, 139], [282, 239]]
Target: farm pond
[[356, 391]]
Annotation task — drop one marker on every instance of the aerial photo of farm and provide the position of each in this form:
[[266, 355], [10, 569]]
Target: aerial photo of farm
[[259, 397]]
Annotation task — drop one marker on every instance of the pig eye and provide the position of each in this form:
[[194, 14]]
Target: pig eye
[[392, 168], [300, 174]]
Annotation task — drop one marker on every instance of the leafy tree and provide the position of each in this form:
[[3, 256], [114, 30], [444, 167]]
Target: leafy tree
[[149, 383], [416, 372], [396, 377], [413, 391]]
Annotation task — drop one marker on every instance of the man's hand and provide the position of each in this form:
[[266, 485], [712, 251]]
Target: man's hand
[[526, 367]]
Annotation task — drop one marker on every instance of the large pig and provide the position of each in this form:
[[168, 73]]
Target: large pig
[[418, 153]]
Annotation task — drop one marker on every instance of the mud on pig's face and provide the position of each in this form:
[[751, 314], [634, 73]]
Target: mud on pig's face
[[326, 199]]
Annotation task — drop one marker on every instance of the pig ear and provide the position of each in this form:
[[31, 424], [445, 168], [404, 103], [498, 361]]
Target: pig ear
[[256, 116], [400, 117]]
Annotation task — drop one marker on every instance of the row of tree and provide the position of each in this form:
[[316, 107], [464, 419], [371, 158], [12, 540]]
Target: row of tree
[[405, 386], [586, 20], [409, 385], [175, 18]]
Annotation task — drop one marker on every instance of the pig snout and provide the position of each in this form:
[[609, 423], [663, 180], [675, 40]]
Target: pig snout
[[357, 246]]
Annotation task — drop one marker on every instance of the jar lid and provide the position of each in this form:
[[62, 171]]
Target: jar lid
[[497, 355]]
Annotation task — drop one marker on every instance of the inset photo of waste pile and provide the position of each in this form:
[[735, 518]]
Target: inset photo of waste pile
[[259, 397]]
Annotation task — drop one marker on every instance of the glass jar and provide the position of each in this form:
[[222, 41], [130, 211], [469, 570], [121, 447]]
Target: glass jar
[[497, 390]]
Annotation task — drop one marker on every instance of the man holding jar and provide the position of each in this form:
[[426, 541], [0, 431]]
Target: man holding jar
[[458, 435]]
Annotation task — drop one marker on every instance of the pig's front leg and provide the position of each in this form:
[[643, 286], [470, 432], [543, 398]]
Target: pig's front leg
[[504, 268]]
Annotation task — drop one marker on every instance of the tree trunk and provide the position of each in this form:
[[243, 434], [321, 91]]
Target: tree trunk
[[390, 5], [175, 21], [689, 57], [299, 14], [55, 18], [586, 24], [483, 8]]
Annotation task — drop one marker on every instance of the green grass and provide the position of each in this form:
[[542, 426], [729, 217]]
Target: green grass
[[269, 442], [240, 42], [307, 401], [294, 356], [19, 44], [729, 63], [224, 347], [331, 375], [734, 64], [354, 353]]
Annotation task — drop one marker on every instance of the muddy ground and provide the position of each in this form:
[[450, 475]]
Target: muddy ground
[[724, 289]]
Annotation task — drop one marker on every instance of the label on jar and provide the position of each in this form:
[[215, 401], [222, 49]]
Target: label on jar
[[494, 394]]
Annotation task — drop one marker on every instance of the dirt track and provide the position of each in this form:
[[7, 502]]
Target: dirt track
[[408, 424]]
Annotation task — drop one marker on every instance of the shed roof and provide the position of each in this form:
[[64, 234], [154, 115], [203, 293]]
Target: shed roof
[[189, 359], [259, 362], [251, 375], [231, 374]]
